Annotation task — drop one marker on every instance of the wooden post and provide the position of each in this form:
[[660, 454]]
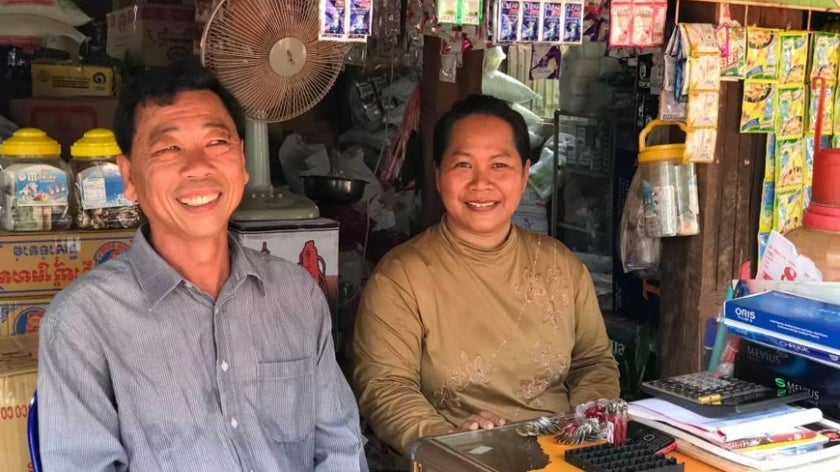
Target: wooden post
[[696, 269], [437, 98]]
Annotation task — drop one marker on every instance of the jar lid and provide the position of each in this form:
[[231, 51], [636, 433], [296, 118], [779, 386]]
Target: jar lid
[[96, 142], [30, 142], [662, 152]]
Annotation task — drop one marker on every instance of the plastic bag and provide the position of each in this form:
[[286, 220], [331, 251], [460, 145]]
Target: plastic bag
[[493, 58], [298, 158], [64, 11], [505, 87], [639, 254], [32, 26], [530, 117]]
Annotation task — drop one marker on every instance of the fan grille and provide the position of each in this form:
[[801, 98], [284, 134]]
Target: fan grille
[[237, 45]]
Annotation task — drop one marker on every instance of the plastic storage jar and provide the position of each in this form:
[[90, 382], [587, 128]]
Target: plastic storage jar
[[34, 183], [659, 194], [99, 197]]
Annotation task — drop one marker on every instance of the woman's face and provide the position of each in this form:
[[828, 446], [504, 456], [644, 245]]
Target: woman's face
[[481, 179]]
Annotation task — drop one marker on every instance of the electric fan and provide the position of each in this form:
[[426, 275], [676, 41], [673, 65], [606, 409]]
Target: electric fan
[[267, 53]]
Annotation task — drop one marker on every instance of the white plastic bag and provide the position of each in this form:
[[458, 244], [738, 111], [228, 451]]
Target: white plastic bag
[[38, 27], [639, 253], [63, 11], [530, 117], [493, 58], [299, 158], [505, 87]]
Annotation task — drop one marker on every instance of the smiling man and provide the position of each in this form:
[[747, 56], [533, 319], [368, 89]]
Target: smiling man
[[476, 322], [191, 352]]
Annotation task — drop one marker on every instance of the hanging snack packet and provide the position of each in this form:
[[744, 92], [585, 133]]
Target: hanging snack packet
[[552, 21], [762, 53], [824, 55], [573, 22], [530, 26], [770, 159], [790, 161], [734, 62], [671, 109], [507, 25], [471, 12], [758, 107], [360, 13], [704, 73], [794, 58], [700, 145], [332, 16], [787, 213], [642, 33], [808, 167], [702, 109], [791, 118], [621, 23], [660, 17], [768, 194], [828, 109]]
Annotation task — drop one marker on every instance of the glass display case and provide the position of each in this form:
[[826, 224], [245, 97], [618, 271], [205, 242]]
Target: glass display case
[[493, 450]]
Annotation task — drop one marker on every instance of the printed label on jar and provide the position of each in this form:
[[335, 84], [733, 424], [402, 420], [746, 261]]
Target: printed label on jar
[[40, 185], [660, 210], [102, 187]]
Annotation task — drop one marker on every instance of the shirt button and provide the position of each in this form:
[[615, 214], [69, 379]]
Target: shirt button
[[224, 366], [188, 285], [215, 310], [233, 423]]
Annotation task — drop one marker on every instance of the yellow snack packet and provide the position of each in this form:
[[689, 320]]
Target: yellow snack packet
[[758, 107], [794, 57], [768, 194], [790, 121], [787, 211], [790, 161], [824, 55], [770, 159], [763, 49], [734, 64], [703, 109], [828, 110]]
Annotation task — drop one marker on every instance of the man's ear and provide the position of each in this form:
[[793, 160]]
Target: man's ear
[[124, 165]]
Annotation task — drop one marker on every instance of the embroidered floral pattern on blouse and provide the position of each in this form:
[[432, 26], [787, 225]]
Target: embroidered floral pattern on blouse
[[554, 365], [532, 285], [473, 371], [559, 297]]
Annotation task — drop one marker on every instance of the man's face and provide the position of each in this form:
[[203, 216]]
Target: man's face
[[187, 167]]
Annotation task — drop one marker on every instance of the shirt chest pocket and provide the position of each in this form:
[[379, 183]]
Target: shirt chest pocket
[[286, 396]]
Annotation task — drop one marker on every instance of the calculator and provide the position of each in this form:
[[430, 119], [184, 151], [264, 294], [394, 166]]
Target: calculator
[[712, 395]]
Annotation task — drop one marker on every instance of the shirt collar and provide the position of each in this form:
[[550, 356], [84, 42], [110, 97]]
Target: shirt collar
[[157, 278]]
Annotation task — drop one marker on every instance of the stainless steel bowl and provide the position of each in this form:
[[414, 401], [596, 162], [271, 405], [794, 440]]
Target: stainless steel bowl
[[331, 190]]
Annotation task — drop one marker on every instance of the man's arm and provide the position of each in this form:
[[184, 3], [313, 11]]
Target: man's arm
[[338, 438], [78, 425]]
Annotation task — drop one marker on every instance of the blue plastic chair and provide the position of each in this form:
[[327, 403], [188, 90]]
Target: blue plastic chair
[[32, 434]]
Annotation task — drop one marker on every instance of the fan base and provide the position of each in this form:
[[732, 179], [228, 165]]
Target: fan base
[[274, 205]]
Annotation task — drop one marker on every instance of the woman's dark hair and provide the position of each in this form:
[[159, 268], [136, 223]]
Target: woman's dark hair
[[159, 87], [480, 105]]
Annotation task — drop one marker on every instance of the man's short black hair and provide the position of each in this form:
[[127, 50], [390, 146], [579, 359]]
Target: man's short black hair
[[480, 105], [159, 87]]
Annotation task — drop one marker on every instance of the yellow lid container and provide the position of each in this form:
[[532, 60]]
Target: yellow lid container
[[30, 142], [96, 143], [661, 152]]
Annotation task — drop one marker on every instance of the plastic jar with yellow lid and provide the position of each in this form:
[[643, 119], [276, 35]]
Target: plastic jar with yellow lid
[[100, 200], [35, 183]]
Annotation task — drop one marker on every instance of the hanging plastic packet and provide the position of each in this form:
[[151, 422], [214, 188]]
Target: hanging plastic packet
[[702, 109], [828, 109], [790, 122], [448, 68], [787, 213], [460, 12], [700, 145], [360, 14], [573, 22], [734, 62], [545, 61], [621, 23], [790, 161], [794, 58], [552, 21], [824, 55], [763, 50], [758, 108], [332, 16], [530, 26], [507, 25]]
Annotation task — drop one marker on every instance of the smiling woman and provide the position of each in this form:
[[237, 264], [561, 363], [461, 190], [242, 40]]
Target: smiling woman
[[476, 321]]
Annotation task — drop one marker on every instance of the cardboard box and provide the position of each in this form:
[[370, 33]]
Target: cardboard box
[[64, 119], [73, 80], [151, 35], [312, 244], [18, 380], [22, 315], [779, 369], [807, 321], [41, 264]]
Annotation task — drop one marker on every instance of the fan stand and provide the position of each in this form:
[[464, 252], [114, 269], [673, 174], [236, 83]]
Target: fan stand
[[261, 201]]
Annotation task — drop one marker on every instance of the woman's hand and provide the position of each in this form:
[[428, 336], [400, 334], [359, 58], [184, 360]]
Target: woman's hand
[[482, 420]]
